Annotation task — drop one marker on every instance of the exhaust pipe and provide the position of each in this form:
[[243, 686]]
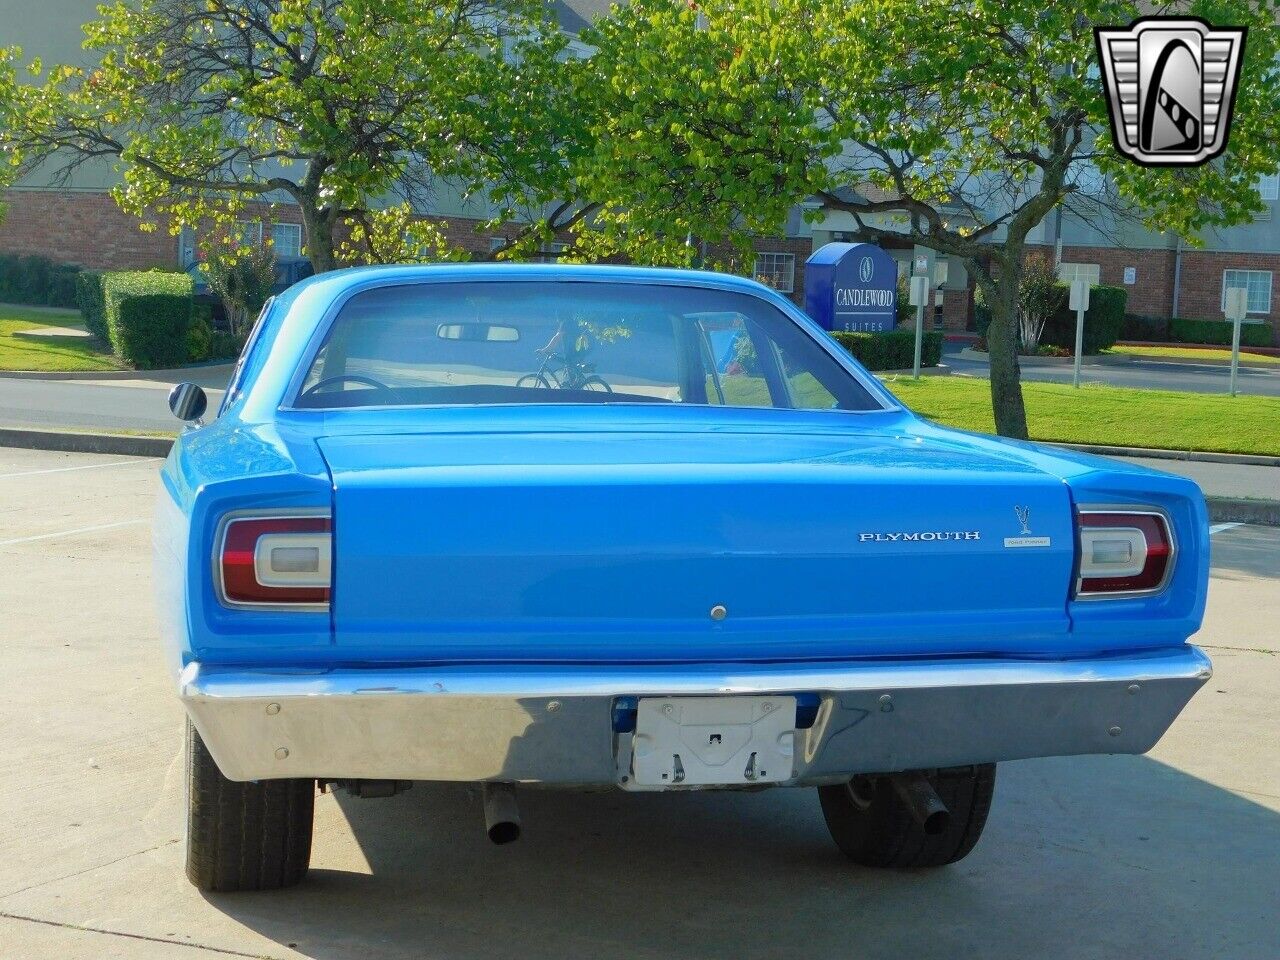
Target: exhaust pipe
[[927, 808], [501, 814]]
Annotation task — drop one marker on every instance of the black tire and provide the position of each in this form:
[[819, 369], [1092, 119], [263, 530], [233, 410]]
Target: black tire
[[597, 384], [872, 825], [534, 380], [244, 836]]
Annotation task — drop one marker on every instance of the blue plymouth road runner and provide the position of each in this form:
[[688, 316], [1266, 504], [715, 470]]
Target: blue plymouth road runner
[[649, 529]]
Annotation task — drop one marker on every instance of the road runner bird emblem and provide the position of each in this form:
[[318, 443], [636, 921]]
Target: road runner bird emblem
[[1025, 537], [1171, 86], [1023, 514]]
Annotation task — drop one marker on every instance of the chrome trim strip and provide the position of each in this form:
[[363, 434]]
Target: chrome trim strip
[[1135, 510], [552, 724], [219, 540]]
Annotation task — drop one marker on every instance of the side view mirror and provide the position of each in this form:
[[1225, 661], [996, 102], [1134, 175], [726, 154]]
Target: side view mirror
[[188, 402]]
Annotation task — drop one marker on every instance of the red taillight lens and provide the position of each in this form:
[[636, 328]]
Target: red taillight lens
[[276, 560], [1123, 553]]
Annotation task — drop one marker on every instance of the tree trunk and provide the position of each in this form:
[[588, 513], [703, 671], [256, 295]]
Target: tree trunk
[[319, 230], [1002, 343]]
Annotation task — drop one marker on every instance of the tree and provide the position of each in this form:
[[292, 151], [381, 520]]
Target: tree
[[242, 281], [10, 156], [955, 125], [346, 108]]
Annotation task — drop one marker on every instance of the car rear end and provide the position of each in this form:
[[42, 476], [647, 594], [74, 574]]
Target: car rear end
[[557, 585]]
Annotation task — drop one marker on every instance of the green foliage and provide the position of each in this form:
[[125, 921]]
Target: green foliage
[[242, 281], [955, 126], [1103, 321], [906, 312], [148, 315], [226, 346], [207, 107], [893, 350], [1040, 297], [1182, 330], [1140, 327], [37, 280], [90, 300], [199, 339]]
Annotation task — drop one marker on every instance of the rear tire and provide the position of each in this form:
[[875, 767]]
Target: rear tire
[[244, 836], [872, 825]]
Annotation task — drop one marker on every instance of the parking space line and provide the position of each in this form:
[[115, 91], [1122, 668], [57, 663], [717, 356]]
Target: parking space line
[[1219, 527], [71, 533], [83, 466]]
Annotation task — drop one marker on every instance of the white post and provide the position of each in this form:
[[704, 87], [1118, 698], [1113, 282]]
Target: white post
[[1237, 303], [919, 294], [1079, 303]]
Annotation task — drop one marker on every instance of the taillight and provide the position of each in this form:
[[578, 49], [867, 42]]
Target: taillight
[[1123, 552], [275, 561]]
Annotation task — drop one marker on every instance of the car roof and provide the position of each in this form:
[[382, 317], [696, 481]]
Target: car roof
[[335, 282]]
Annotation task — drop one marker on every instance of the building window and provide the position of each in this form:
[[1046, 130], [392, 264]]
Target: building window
[[1068, 273], [550, 252], [1269, 186], [247, 233], [1257, 283], [286, 239], [777, 270]]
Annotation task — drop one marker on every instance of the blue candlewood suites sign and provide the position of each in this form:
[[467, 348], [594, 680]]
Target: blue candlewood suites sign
[[852, 286]]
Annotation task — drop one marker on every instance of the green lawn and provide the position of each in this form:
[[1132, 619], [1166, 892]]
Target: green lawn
[[1190, 354], [48, 353], [1115, 416]]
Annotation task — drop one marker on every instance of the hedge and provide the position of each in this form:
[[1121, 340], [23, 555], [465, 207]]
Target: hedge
[[38, 281], [892, 350], [1139, 327], [93, 309], [148, 315], [1218, 331], [1102, 321]]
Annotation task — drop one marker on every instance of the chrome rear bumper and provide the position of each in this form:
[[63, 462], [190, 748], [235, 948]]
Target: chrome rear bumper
[[554, 725]]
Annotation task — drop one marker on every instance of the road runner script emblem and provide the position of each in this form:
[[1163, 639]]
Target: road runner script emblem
[[1025, 537], [1170, 85]]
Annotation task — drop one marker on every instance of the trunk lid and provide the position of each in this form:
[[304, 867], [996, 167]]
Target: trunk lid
[[584, 546]]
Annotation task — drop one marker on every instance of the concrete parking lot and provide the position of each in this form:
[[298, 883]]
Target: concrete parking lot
[[1174, 855]]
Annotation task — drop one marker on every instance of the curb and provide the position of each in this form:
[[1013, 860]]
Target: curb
[[113, 443], [1265, 513], [1243, 459], [1245, 363], [159, 377], [1096, 359]]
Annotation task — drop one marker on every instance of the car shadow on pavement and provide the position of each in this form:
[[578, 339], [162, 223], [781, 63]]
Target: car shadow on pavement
[[1093, 857]]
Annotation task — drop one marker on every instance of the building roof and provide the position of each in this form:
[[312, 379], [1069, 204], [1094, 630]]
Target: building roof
[[575, 16]]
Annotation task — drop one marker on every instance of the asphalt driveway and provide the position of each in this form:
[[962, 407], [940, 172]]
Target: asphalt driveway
[[1142, 374], [1172, 855]]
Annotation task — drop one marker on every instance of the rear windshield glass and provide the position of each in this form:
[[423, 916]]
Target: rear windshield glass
[[572, 342]]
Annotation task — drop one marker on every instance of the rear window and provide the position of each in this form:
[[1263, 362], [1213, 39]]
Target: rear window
[[572, 342]]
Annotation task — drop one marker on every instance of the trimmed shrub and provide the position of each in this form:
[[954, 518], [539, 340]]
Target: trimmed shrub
[[1102, 321], [226, 345], [62, 286], [1252, 333], [892, 350], [148, 316], [93, 308], [199, 339], [38, 281], [1138, 327]]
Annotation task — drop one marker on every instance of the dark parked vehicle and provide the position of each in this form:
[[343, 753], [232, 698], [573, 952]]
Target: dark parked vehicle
[[289, 270]]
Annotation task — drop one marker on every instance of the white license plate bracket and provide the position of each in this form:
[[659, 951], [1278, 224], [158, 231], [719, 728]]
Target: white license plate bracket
[[713, 741]]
